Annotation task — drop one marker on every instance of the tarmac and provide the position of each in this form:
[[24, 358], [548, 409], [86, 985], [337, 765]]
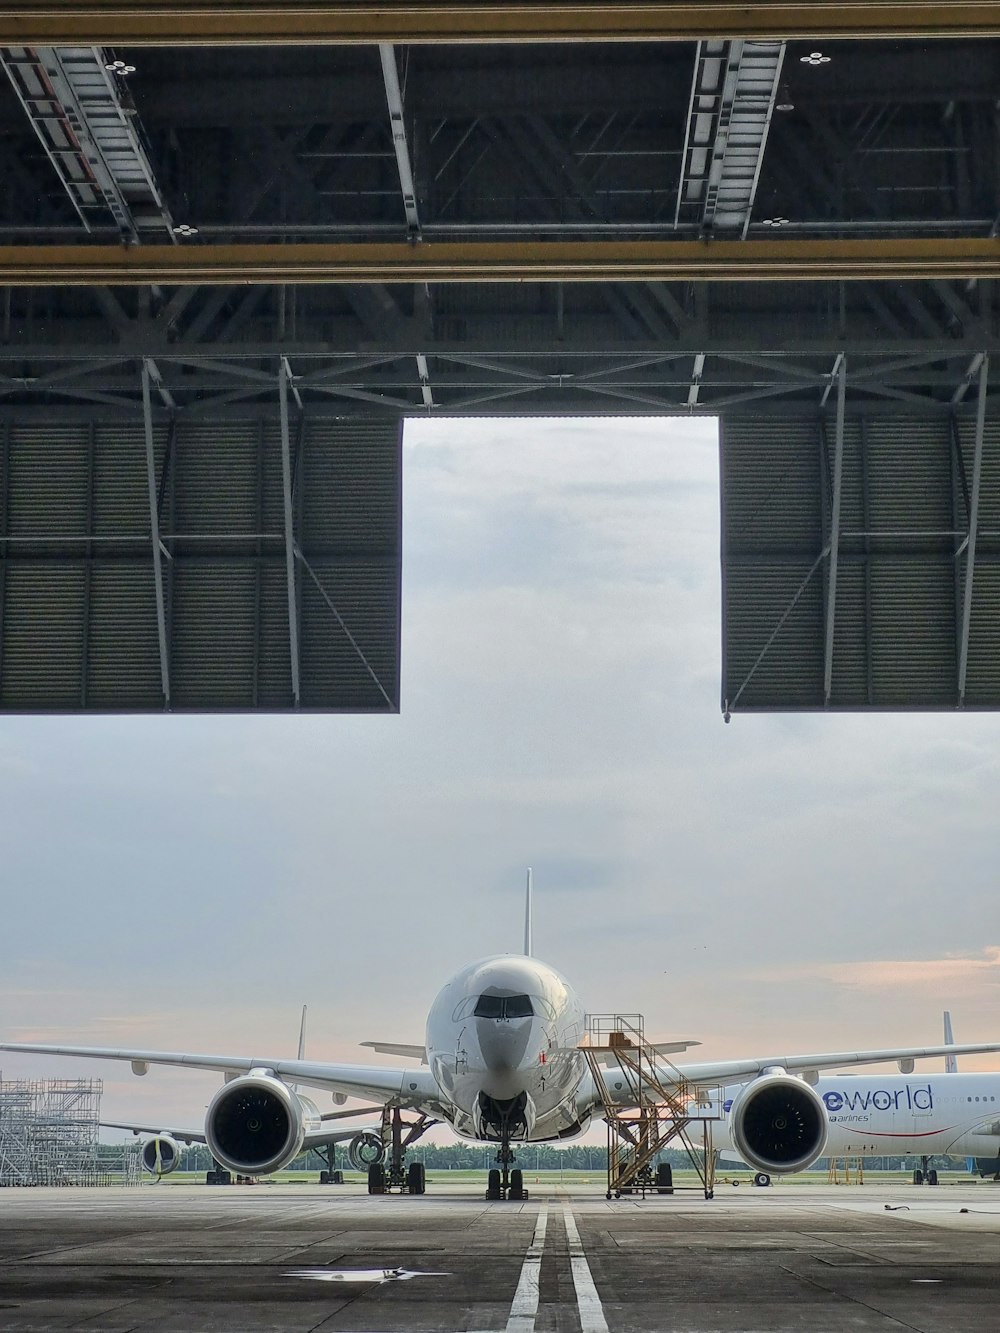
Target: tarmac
[[793, 1258]]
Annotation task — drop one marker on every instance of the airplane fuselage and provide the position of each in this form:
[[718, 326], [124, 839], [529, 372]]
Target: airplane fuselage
[[502, 1039], [874, 1115]]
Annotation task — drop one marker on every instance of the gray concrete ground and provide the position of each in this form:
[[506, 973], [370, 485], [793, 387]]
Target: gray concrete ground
[[795, 1258]]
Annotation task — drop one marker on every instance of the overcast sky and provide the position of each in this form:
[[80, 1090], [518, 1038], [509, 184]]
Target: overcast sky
[[783, 883]]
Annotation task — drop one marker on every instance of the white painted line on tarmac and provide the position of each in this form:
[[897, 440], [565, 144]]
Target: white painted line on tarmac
[[588, 1302], [525, 1306]]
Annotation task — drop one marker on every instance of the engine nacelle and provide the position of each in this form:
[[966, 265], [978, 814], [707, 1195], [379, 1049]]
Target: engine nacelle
[[160, 1155], [256, 1124], [365, 1149], [779, 1124]]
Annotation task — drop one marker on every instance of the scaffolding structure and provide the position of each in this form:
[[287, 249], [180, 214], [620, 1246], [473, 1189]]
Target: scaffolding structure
[[48, 1131], [652, 1107]]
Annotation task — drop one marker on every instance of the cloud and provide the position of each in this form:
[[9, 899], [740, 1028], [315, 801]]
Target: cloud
[[946, 978]]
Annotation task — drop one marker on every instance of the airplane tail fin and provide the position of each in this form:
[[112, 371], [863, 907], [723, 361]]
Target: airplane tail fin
[[527, 916], [950, 1061], [302, 1040]]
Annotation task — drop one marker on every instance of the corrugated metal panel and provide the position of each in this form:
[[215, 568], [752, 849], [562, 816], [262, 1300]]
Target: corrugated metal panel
[[82, 634], [351, 476], [42, 636], [909, 474], [770, 476], [898, 599], [757, 597], [849, 686], [913, 633], [123, 660], [215, 489], [366, 598], [212, 645], [274, 670], [47, 493], [121, 491], [982, 685]]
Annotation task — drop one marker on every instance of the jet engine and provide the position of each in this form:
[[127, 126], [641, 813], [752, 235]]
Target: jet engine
[[365, 1149], [256, 1124], [161, 1155], [778, 1124]]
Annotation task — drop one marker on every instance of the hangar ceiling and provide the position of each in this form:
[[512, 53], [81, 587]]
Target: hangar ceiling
[[385, 222]]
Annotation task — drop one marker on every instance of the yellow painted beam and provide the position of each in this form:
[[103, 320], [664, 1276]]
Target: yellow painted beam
[[204, 23], [501, 261]]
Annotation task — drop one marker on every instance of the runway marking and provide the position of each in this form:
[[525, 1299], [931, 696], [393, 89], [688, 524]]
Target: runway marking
[[588, 1302], [525, 1306]]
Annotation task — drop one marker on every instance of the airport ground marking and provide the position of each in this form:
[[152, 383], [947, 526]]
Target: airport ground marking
[[525, 1305], [588, 1302]]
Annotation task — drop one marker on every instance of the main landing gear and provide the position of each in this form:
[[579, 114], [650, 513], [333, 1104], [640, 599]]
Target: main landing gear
[[925, 1174], [394, 1174]]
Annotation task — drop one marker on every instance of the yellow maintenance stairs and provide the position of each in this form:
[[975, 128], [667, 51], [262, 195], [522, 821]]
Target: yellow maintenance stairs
[[648, 1106]]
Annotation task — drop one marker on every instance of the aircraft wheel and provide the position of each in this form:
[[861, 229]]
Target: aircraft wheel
[[493, 1190], [416, 1179], [517, 1190], [324, 1177], [664, 1178], [608, 1195], [762, 1179], [710, 1194], [932, 1178], [376, 1178], [918, 1177]]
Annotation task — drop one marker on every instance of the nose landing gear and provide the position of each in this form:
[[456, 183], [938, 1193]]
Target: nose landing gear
[[503, 1182]]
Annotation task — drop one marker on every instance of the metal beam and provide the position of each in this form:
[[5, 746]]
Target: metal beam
[[154, 531], [503, 261], [286, 486], [840, 371], [970, 553], [404, 165], [204, 23]]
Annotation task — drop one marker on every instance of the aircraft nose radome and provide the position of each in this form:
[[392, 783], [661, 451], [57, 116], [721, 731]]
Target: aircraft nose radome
[[503, 1045]]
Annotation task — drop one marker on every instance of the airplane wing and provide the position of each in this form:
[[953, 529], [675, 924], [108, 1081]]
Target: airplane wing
[[734, 1071], [408, 1087], [181, 1135], [319, 1138], [398, 1048]]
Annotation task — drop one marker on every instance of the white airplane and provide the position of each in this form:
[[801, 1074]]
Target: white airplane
[[954, 1115], [502, 1062]]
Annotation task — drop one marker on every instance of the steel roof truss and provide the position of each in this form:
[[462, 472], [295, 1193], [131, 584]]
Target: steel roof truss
[[397, 122]]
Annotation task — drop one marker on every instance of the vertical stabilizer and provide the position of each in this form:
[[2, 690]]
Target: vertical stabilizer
[[302, 1041], [527, 915], [950, 1061]]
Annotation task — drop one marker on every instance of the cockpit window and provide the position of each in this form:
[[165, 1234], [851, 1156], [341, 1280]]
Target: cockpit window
[[503, 1006]]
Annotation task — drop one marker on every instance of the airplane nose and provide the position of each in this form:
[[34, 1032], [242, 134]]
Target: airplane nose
[[503, 1044]]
